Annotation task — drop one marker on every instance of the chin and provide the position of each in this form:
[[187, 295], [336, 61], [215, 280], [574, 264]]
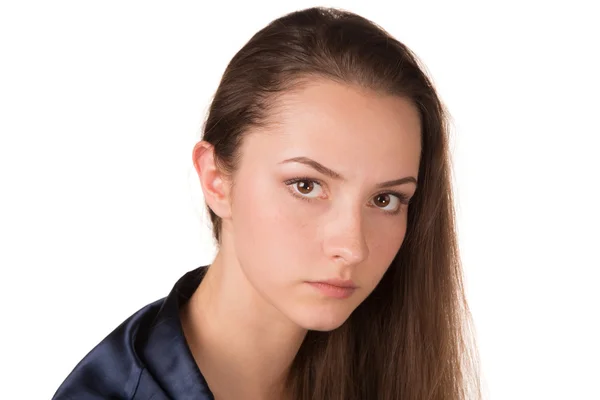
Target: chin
[[324, 327], [322, 321]]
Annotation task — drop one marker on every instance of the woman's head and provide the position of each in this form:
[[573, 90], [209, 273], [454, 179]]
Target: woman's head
[[326, 88], [323, 130]]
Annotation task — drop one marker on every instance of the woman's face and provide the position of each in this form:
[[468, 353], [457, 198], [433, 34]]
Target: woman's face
[[311, 202]]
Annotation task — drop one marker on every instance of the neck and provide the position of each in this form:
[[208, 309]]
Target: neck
[[243, 345]]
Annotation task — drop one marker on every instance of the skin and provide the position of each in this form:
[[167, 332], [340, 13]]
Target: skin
[[247, 319]]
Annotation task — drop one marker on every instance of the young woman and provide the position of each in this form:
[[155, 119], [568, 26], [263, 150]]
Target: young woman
[[325, 168]]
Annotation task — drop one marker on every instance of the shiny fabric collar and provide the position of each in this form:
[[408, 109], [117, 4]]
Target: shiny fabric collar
[[146, 357], [166, 353]]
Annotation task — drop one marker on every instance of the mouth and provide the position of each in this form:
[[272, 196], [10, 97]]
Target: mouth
[[335, 288]]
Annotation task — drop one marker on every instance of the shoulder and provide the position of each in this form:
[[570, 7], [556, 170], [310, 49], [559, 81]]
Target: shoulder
[[146, 357], [113, 369]]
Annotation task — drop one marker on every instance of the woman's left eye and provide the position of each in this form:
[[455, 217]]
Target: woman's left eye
[[389, 202], [386, 201]]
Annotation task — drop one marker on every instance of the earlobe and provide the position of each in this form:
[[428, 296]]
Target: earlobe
[[214, 185]]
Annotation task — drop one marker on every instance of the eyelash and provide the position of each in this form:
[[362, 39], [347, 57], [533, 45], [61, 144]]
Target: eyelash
[[403, 198]]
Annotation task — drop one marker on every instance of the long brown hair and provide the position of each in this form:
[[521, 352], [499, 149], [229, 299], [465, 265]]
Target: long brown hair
[[411, 338]]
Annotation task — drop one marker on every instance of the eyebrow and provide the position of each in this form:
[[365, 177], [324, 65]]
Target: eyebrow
[[335, 175]]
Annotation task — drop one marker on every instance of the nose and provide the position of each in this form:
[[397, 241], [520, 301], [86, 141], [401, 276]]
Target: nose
[[345, 238]]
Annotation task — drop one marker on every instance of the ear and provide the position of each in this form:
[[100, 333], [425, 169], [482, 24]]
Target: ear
[[215, 187]]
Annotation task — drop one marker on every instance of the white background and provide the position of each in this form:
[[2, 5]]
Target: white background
[[100, 210]]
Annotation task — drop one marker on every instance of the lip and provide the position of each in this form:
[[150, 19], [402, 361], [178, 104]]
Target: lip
[[342, 283], [336, 288]]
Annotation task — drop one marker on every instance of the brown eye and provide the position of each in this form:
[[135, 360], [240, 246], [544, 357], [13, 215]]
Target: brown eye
[[382, 200], [387, 202], [305, 187]]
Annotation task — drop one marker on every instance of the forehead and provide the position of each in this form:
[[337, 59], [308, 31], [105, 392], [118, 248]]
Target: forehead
[[345, 127]]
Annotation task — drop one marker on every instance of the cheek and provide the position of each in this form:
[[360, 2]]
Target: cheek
[[273, 237], [385, 239], [388, 245]]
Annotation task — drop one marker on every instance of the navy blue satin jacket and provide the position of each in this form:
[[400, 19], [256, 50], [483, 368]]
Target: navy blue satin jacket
[[146, 357]]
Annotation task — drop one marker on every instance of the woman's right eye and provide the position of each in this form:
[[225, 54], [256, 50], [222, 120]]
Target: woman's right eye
[[305, 188]]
